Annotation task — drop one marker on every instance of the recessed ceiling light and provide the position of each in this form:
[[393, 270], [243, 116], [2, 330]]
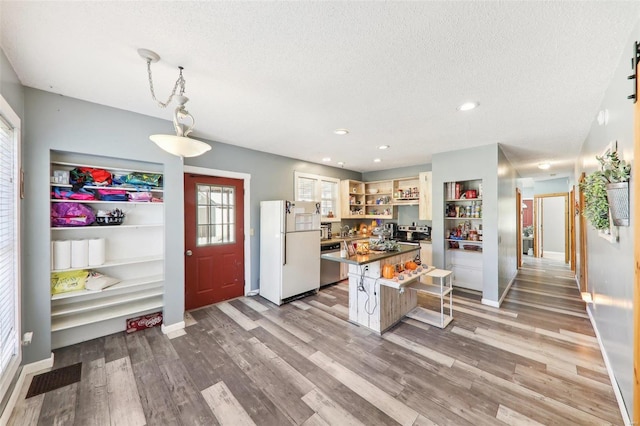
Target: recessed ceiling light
[[383, 147], [376, 160], [544, 166], [326, 159], [468, 106], [341, 131], [340, 163]]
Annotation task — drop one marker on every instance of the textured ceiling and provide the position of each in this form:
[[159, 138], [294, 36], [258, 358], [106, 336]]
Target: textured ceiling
[[281, 76]]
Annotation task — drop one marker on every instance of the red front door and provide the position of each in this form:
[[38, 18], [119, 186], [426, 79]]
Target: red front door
[[214, 239]]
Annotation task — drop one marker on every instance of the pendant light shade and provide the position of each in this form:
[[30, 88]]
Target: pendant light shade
[[180, 145]]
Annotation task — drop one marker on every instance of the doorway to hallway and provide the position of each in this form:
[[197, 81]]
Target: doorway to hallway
[[551, 226]]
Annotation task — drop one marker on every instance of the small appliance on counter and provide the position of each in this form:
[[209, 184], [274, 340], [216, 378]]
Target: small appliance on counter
[[393, 229], [412, 233], [325, 232]]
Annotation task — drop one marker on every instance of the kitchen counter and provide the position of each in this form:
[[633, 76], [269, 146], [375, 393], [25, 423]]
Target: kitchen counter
[[339, 240], [363, 259]]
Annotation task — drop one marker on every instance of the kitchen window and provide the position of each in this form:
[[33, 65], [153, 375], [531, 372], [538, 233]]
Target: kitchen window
[[325, 189]]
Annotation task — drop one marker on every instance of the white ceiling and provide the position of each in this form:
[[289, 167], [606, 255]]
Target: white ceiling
[[281, 76]]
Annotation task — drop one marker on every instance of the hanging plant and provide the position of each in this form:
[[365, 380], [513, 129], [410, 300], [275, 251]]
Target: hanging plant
[[596, 208], [613, 173]]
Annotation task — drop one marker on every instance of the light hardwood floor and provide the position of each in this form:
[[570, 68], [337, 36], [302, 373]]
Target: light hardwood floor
[[533, 361]]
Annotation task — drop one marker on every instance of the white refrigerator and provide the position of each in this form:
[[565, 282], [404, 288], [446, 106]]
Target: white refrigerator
[[289, 249]]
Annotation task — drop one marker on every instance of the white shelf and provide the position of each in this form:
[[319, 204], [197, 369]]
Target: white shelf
[[430, 317], [453, 200], [112, 169], [126, 284], [464, 241], [65, 200], [97, 315], [433, 289], [465, 251], [466, 218], [94, 227], [400, 284], [116, 262], [104, 302]]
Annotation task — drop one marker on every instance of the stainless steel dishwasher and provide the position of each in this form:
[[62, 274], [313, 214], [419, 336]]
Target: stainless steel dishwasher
[[329, 270]]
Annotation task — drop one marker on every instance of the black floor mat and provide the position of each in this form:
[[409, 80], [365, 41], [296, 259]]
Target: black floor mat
[[55, 379]]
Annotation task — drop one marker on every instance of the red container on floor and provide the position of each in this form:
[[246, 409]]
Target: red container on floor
[[146, 321]]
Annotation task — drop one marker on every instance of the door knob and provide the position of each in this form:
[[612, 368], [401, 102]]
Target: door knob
[[189, 253]]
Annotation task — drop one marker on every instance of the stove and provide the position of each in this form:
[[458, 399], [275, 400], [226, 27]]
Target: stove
[[412, 233]]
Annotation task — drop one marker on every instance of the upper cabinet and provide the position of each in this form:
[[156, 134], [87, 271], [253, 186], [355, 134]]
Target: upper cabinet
[[352, 199], [424, 204], [406, 191], [309, 187], [379, 200]]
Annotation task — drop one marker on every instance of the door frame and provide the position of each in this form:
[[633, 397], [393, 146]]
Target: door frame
[[537, 216], [246, 178], [572, 228], [582, 224], [519, 227], [636, 255]]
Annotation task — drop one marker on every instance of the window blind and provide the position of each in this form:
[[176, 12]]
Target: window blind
[[8, 246]]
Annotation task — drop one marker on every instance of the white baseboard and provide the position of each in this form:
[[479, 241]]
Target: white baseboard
[[166, 329], [253, 293], [27, 369], [490, 303], [612, 377], [504, 294]]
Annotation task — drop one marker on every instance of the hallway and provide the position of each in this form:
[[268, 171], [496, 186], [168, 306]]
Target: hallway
[[533, 361]]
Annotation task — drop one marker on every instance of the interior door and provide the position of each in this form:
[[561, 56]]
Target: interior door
[[214, 239]]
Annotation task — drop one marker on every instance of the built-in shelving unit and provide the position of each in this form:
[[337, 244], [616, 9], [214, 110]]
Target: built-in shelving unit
[[134, 254], [463, 232]]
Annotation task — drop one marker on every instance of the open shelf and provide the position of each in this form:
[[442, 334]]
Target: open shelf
[[65, 200], [433, 289], [116, 262], [104, 302], [430, 317], [97, 315], [453, 200], [125, 284], [94, 227]]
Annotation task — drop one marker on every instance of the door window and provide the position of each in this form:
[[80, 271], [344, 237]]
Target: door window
[[216, 215]]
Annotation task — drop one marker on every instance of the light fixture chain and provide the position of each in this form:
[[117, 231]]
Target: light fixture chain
[[179, 82]]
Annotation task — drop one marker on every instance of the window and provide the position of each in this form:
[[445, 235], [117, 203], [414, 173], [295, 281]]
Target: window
[[10, 354], [216, 215], [325, 189]]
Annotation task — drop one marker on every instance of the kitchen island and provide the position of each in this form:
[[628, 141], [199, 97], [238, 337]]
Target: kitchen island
[[378, 303]]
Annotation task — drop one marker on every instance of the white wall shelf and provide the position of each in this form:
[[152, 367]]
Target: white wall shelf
[[116, 262], [122, 285], [134, 253]]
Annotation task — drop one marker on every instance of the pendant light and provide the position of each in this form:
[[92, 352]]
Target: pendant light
[[179, 144]]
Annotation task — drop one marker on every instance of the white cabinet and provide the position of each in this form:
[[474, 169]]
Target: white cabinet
[[463, 233], [426, 253], [424, 203], [134, 254]]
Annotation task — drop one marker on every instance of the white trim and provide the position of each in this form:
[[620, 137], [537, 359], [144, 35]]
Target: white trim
[[247, 212], [490, 303], [612, 377], [166, 329], [34, 367], [14, 121]]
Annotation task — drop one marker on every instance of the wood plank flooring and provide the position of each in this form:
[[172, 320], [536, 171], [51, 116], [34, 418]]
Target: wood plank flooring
[[246, 361]]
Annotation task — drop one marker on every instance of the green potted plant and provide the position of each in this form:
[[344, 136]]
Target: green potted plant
[[607, 190]]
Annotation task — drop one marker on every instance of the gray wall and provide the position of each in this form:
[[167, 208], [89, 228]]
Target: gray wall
[[508, 212], [10, 86], [59, 123], [486, 163], [611, 265], [551, 186]]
